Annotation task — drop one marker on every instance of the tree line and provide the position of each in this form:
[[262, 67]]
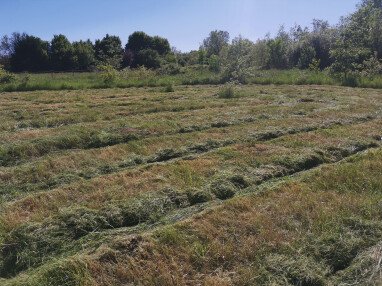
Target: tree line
[[353, 46], [23, 52]]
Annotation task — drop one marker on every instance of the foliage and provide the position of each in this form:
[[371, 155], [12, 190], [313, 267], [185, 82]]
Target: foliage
[[84, 55], [144, 50], [108, 73], [237, 60], [215, 42], [61, 54], [29, 53], [214, 63], [6, 77], [148, 58], [108, 51]]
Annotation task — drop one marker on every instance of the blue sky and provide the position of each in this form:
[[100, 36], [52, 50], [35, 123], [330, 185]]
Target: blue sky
[[184, 22]]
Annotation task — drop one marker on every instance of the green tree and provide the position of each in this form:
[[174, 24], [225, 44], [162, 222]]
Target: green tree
[[278, 49], [215, 42], [140, 44], [237, 59], [148, 58], [84, 55], [360, 38], [61, 54], [29, 53], [108, 51]]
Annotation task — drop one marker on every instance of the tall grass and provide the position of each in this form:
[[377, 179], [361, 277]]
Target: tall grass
[[187, 76]]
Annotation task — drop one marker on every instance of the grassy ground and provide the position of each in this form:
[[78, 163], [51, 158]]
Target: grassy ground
[[187, 76], [271, 185]]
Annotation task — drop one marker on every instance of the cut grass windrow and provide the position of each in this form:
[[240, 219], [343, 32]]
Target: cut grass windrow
[[50, 237], [97, 185]]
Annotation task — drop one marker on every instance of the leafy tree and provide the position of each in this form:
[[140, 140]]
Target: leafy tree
[[322, 39], [349, 59], [161, 45], [138, 41], [277, 54], [84, 55], [215, 42], [140, 44], [278, 48], [360, 38], [61, 54], [261, 54], [148, 58], [108, 51], [29, 53], [237, 59], [214, 63]]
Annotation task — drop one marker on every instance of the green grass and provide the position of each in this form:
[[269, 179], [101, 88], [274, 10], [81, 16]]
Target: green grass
[[188, 76], [277, 184]]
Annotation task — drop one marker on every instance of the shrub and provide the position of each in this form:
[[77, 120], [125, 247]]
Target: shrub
[[169, 88], [228, 91], [6, 77], [350, 80], [170, 69], [109, 74]]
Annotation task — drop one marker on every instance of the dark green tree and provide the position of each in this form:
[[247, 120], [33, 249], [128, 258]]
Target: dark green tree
[[140, 45], [61, 54], [108, 51], [29, 53], [148, 58], [84, 55], [138, 41]]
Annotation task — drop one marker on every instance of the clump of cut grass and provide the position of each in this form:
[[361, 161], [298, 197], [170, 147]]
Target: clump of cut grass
[[300, 163], [239, 181], [196, 196], [364, 270], [281, 269], [165, 155], [223, 189]]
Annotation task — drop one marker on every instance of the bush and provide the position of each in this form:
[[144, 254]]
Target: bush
[[350, 80], [170, 69], [6, 77], [169, 88], [228, 91], [109, 74]]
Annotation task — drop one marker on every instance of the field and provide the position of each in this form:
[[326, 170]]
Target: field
[[263, 185]]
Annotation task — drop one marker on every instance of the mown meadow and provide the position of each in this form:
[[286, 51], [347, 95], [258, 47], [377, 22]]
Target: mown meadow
[[191, 185]]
